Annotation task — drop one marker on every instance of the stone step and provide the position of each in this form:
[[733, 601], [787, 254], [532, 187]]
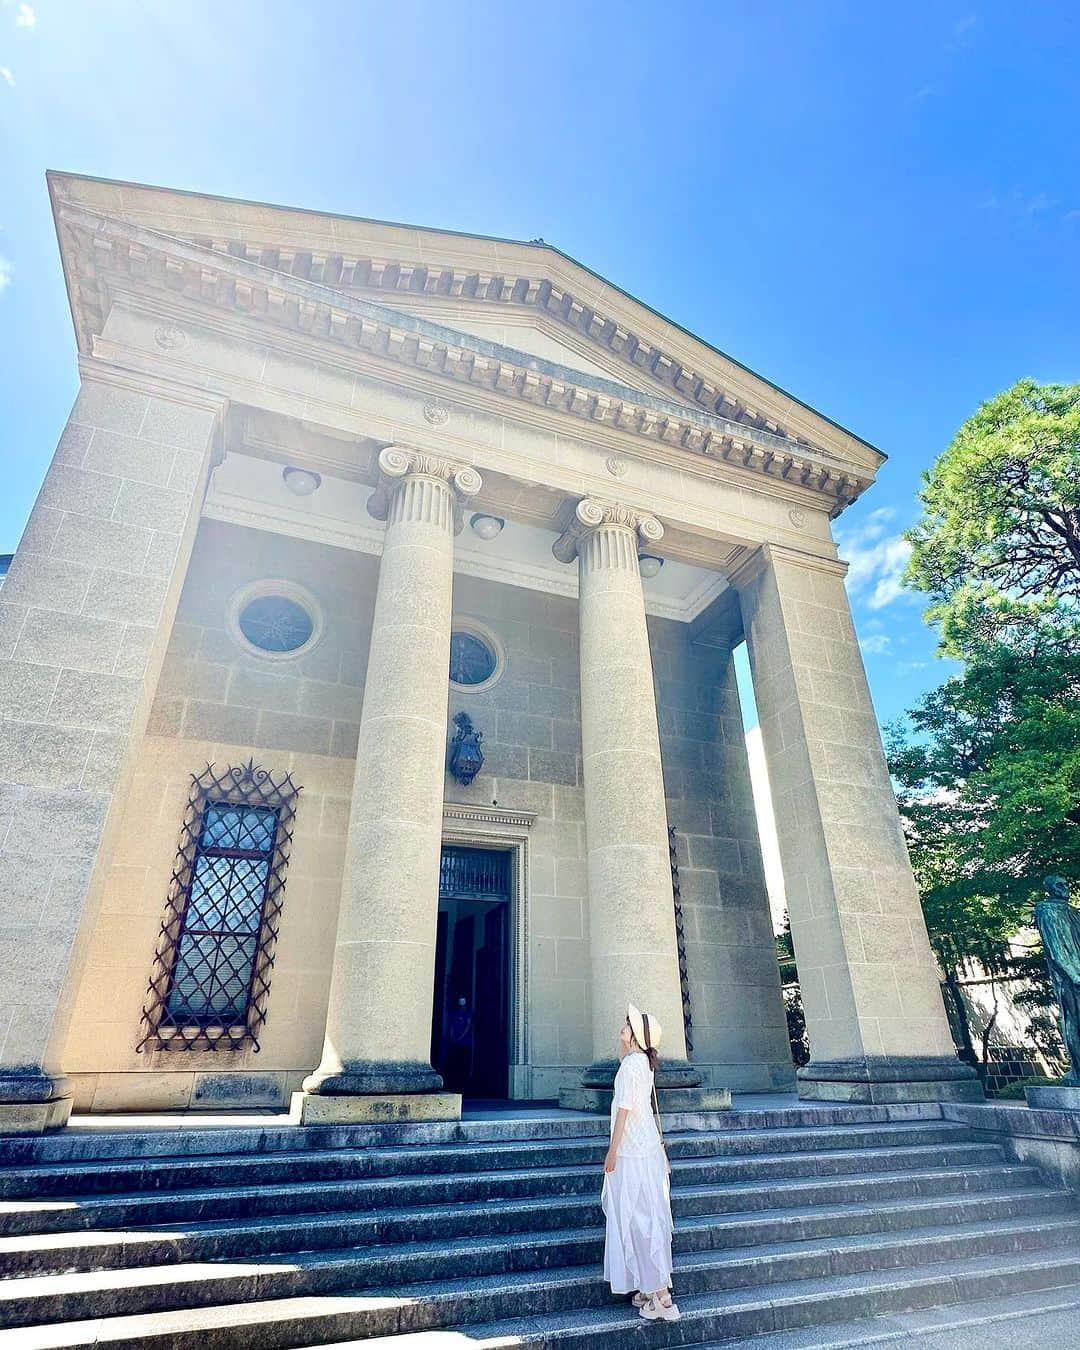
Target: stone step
[[450, 1220], [409, 1261], [1029, 1321], [398, 1192], [84, 1144], [337, 1164], [34, 1300], [735, 1315], [720, 1314]]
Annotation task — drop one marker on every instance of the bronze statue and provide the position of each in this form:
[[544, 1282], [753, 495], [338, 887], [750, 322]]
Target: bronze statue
[[1058, 923]]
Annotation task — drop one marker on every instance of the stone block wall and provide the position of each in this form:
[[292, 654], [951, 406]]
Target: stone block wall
[[216, 703]]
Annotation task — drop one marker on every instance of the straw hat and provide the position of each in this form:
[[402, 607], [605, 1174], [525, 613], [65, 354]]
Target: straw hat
[[650, 1039]]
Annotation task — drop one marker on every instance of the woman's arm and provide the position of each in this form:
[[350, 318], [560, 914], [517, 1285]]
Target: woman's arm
[[616, 1139]]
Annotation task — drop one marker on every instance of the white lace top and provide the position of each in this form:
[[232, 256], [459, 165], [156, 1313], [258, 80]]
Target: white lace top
[[633, 1092]]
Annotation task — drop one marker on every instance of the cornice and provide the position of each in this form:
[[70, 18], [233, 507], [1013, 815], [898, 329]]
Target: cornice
[[489, 815], [103, 245], [414, 282], [359, 363]]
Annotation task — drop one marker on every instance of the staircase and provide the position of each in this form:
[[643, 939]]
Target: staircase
[[788, 1220]]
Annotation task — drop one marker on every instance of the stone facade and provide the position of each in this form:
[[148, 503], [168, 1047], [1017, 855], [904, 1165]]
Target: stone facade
[[216, 703], [272, 400]]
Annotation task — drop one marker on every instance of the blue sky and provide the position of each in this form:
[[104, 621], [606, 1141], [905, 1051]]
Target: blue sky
[[876, 206]]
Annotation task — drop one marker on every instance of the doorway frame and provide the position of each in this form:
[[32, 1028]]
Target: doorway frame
[[491, 827]]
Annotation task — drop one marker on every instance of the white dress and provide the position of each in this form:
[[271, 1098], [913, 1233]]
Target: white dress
[[636, 1197]]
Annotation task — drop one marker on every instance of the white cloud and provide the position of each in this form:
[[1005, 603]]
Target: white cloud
[[25, 17], [876, 644], [1041, 201], [963, 32], [876, 559], [6, 271], [1024, 207], [7, 77]]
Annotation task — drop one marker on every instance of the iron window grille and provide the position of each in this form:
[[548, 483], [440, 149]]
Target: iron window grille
[[680, 940], [215, 948], [474, 873]]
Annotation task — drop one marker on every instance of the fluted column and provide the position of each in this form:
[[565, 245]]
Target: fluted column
[[376, 1057], [633, 955]]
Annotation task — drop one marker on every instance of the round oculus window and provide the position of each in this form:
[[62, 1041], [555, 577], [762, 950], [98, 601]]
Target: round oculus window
[[472, 660], [275, 623]]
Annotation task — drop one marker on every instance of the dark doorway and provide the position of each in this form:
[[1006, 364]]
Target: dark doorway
[[470, 1025]]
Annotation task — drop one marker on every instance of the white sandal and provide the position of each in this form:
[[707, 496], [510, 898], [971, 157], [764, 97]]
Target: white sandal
[[654, 1311]]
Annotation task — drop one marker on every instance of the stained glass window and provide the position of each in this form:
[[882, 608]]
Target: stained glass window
[[471, 660], [274, 623]]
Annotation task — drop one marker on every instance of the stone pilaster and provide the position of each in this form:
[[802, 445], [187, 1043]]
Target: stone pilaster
[[376, 1058], [85, 616], [632, 947], [869, 982]]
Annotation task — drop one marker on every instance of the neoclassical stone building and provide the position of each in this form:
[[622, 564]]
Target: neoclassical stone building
[[328, 486]]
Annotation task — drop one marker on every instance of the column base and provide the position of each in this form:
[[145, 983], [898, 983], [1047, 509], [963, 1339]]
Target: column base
[[675, 1073], [34, 1117], [384, 1079], [598, 1100], [881, 1080], [388, 1108]]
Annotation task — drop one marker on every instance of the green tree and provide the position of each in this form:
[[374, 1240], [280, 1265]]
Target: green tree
[[999, 540], [987, 767]]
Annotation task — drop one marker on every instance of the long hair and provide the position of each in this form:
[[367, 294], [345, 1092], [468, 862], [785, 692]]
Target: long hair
[[650, 1052]]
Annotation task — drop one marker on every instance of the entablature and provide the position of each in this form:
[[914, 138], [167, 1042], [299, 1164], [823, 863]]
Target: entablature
[[108, 259]]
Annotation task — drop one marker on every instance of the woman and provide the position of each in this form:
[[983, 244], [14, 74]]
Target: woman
[[636, 1198]]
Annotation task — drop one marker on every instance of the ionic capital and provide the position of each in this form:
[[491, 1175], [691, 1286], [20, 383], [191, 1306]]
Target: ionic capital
[[398, 463], [591, 514]]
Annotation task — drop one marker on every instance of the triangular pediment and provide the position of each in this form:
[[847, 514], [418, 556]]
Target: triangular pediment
[[522, 297], [532, 335]]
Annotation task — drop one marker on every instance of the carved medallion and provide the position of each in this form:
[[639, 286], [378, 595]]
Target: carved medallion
[[435, 414], [615, 466], [168, 338], [797, 517]]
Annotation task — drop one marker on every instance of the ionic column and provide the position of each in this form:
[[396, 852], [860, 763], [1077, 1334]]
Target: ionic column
[[376, 1057], [869, 982], [633, 955]]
